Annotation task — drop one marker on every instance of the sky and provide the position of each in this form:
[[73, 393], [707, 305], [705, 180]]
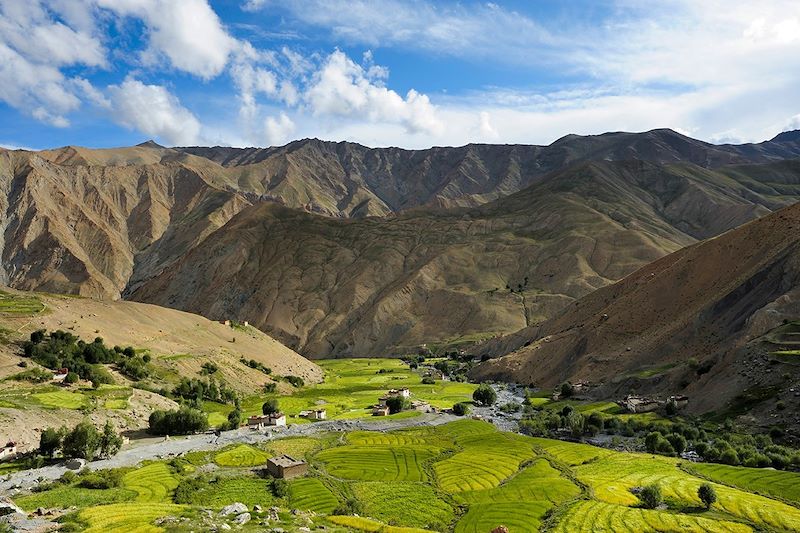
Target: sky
[[414, 74]]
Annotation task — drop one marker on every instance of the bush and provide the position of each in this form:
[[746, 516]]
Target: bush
[[102, 479], [427, 380], [461, 409], [50, 441], [71, 378], [650, 496], [209, 368], [270, 406], [396, 404], [707, 494], [729, 457], [182, 421], [82, 442], [280, 488], [296, 381], [187, 489], [271, 387], [34, 375], [484, 394]]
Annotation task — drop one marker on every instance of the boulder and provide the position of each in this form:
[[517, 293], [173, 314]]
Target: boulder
[[242, 518], [75, 464], [234, 508]]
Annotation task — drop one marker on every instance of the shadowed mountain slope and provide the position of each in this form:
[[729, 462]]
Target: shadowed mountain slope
[[469, 241], [331, 287], [704, 321]]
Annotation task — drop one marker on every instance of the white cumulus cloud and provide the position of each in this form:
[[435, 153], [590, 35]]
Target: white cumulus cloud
[[188, 32], [153, 110], [343, 88]]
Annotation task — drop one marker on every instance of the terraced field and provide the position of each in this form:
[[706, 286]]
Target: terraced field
[[538, 482], [591, 516], [127, 517], [615, 474], [777, 483], [60, 399], [368, 463], [351, 386], [519, 517], [372, 526], [410, 504], [19, 304], [310, 494], [569, 453], [241, 456], [248, 490], [153, 483], [294, 446], [486, 460], [73, 496]]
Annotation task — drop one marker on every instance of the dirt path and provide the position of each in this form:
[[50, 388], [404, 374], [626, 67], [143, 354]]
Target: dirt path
[[164, 449]]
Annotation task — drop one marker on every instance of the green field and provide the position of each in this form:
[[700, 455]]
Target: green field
[[597, 516], [153, 483], [60, 399], [127, 517], [410, 504], [352, 386], [310, 494], [464, 477], [241, 456], [248, 490], [777, 483], [19, 305], [373, 463]]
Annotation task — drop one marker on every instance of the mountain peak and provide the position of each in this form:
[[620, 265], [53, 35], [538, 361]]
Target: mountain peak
[[150, 143], [787, 136]]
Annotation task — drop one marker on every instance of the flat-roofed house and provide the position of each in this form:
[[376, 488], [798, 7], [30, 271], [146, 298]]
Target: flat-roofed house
[[286, 466], [9, 451]]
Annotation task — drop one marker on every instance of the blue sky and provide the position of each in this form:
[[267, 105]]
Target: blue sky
[[403, 73]]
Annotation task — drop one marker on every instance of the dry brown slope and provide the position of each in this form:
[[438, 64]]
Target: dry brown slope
[[332, 287], [713, 302]]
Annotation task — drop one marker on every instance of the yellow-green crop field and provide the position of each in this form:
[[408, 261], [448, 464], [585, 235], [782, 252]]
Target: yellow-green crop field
[[241, 455], [352, 386], [464, 477]]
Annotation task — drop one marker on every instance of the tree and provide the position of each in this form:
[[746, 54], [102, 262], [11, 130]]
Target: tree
[[707, 494], [461, 409], [677, 441], [110, 441], [50, 441], [270, 406], [71, 378], [650, 496], [182, 421], [484, 394], [235, 418], [83, 441], [396, 404], [567, 389]]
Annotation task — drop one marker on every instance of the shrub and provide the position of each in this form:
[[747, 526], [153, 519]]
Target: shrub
[[182, 421], [729, 457], [484, 394], [650, 496], [188, 487], [396, 404], [707, 494], [34, 375], [102, 479], [50, 441], [270, 406], [427, 380], [83, 441], [209, 368], [296, 381], [71, 378], [280, 488], [271, 387], [461, 409]]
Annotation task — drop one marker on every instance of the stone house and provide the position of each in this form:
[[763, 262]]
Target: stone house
[[286, 467]]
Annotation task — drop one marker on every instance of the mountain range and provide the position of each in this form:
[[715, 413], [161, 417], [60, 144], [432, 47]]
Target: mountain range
[[337, 249]]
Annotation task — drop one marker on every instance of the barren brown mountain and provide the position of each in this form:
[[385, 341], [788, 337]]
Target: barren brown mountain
[[339, 249], [709, 321]]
